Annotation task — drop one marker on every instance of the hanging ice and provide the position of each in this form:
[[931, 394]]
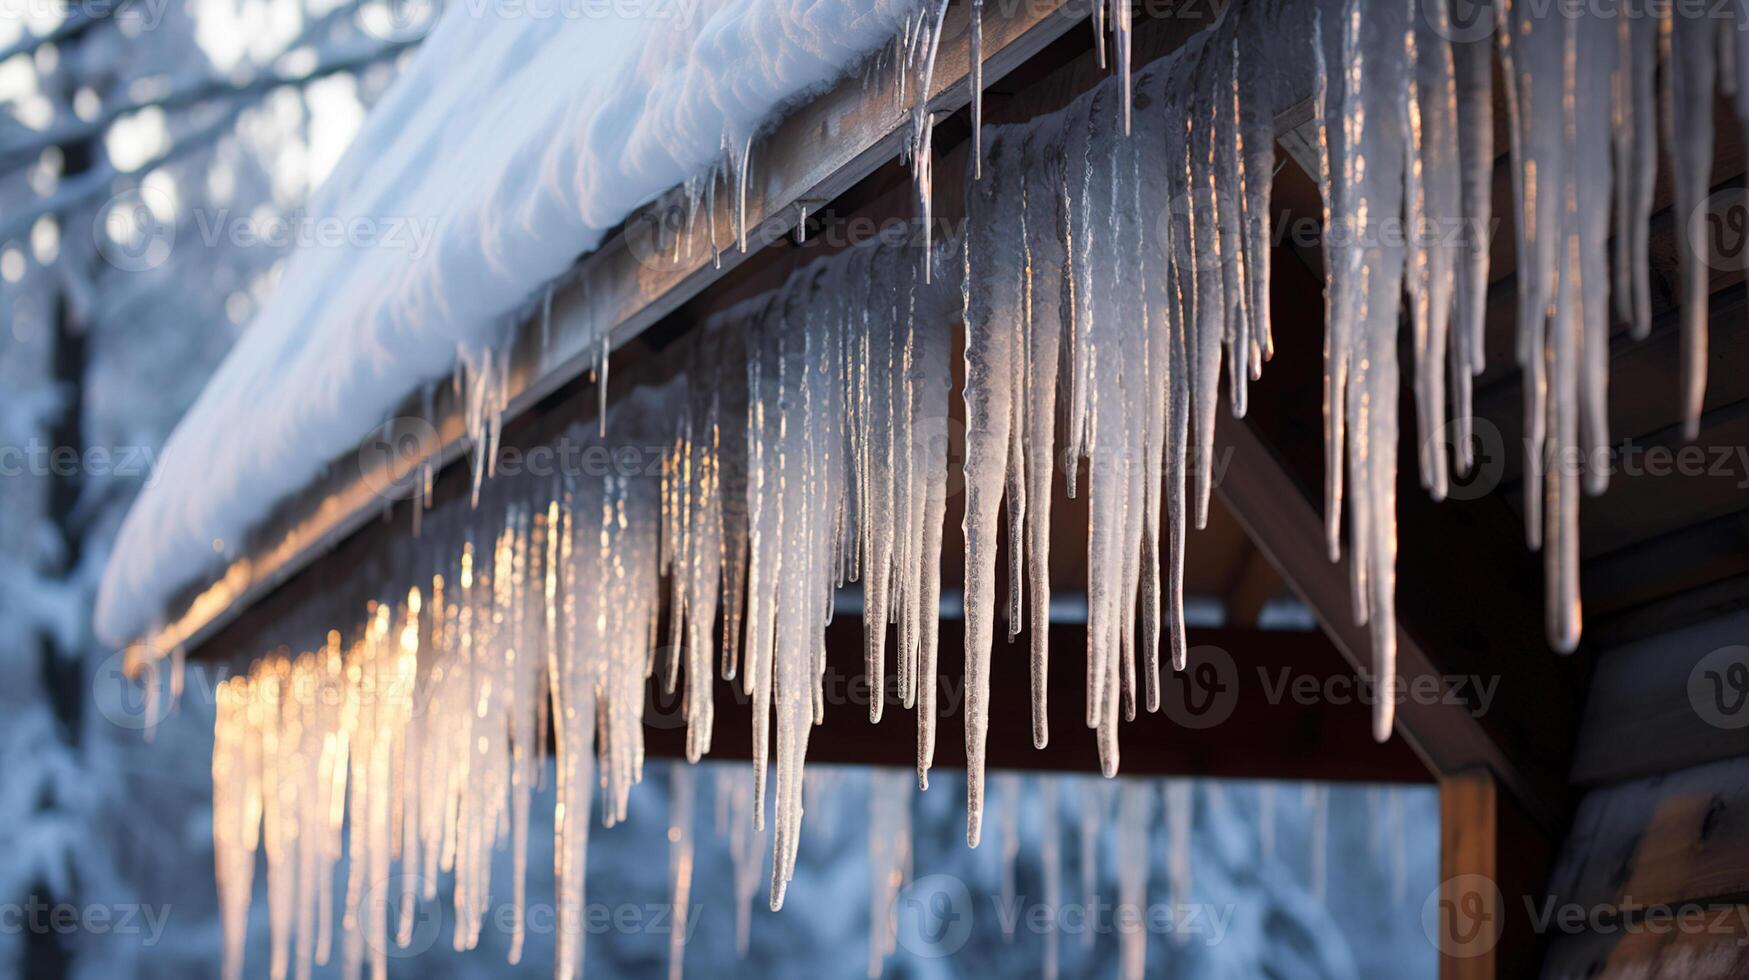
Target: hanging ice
[[889, 860]]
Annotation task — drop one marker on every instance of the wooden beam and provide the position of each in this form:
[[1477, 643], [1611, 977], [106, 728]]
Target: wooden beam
[[1491, 868], [1253, 705], [1250, 589], [1667, 702]]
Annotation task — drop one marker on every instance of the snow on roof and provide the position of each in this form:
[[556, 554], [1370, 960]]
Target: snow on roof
[[518, 137]]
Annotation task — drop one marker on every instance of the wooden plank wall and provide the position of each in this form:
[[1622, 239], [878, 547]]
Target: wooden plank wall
[[1654, 876]]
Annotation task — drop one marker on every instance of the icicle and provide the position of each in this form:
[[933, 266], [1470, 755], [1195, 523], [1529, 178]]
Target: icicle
[[989, 257], [1051, 859], [236, 814], [743, 169], [975, 43], [1008, 805], [1266, 820], [1317, 799], [1473, 75], [889, 860], [746, 846], [1636, 164], [1180, 803], [1399, 846], [1095, 804], [1099, 32], [546, 321], [1134, 809], [601, 389], [680, 816], [1120, 39], [923, 120], [1042, 251], [1434, 212], [806, 447], [1690, 79]]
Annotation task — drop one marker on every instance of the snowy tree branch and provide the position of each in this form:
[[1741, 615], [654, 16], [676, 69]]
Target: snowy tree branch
[[76, 24], [100, 181], [207, 89]]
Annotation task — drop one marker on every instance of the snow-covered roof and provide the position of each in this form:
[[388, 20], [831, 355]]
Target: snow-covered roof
[[518, 137]]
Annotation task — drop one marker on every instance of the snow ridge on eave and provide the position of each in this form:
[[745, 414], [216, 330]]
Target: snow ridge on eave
[[355, 330]]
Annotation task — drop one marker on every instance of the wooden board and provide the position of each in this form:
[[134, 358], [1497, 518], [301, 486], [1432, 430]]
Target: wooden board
[[1655, 877], [1665, 702], [1490, 861]]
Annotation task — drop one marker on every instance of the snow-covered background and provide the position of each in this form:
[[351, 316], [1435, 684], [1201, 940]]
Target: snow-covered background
[[150, 186]]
